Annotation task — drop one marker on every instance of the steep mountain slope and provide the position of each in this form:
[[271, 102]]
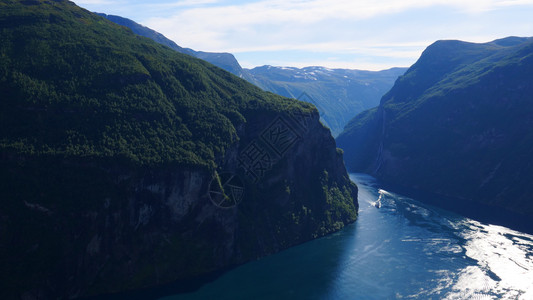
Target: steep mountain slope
[[458, 123], [125, 164], [339, 94], [225, 61]]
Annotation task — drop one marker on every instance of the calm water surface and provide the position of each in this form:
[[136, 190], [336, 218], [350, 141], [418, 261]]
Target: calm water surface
[[403, 250]]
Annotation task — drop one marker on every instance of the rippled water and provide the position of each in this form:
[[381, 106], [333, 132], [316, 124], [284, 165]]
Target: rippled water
[[403, 250]]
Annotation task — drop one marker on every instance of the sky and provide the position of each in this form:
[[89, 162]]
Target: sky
[[349, 34]]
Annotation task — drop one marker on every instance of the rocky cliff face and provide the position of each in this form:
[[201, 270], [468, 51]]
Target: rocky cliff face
[[150, 226], [124, 164]]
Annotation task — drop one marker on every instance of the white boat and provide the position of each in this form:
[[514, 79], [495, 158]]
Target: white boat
[[377, 204]]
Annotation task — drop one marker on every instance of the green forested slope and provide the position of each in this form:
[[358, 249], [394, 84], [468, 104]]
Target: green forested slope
[[75, 84], [339, 94], [110, 144], [458, 123]]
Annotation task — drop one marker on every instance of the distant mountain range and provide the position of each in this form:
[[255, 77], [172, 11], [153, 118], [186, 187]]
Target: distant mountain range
[[339, 94], [458, 123]]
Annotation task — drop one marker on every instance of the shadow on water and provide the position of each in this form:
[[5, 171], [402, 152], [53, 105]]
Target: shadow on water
[[474, 210], [281, 276], [405, 249], [325, 268], [177, 287]]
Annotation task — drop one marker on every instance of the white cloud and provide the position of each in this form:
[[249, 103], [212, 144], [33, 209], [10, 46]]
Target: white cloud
[[304, 12], [380, 28], [398, 50], [212, 27], [514, 2], [93, 2], [184, 3]]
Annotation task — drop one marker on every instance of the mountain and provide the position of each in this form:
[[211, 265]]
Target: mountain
[[225, 61], [339, 94], [125, 164], [458, 124]]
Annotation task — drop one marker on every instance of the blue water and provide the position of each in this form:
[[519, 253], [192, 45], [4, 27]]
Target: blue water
[[403, 250]]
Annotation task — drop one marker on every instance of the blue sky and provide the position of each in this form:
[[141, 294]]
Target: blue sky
[[356, 34]]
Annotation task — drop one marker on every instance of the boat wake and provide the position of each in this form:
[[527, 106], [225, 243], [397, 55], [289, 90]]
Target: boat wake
[[378, 202]]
